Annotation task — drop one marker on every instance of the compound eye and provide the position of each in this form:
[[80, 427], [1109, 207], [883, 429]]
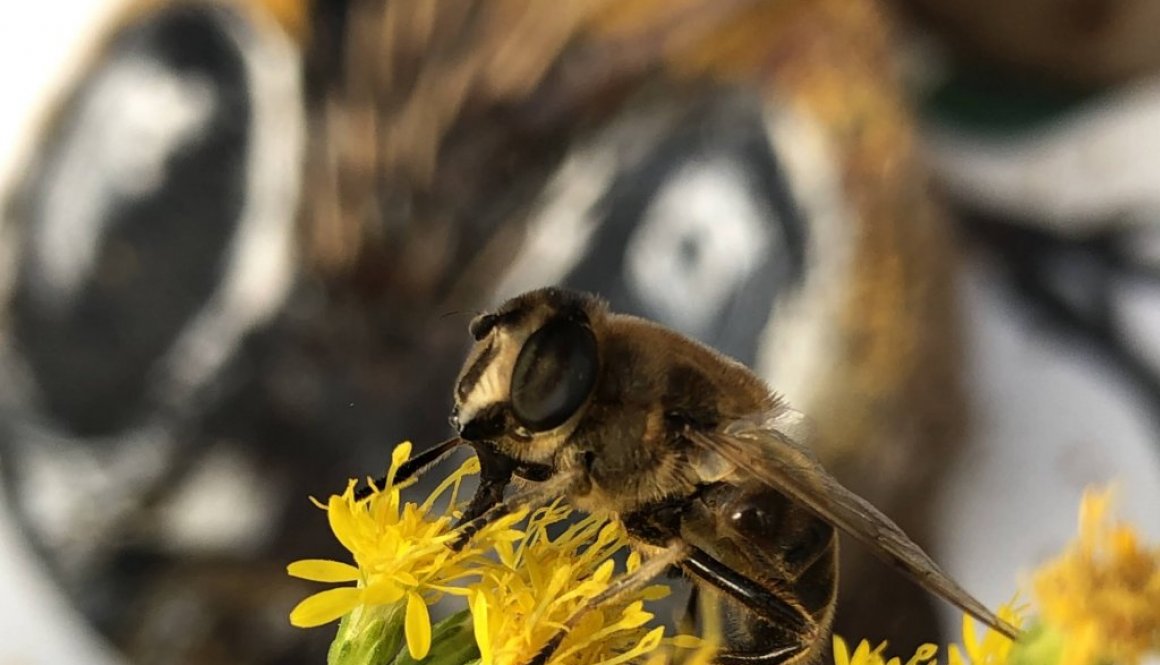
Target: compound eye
[[554, 373], [481, 325]]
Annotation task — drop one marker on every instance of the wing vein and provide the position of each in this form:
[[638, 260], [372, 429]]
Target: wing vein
[[791, 468]]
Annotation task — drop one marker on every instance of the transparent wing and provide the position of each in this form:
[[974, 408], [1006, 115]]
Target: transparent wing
[[768, 448]]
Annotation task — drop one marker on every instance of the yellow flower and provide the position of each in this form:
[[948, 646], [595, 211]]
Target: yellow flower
[[401, 557], [865, 654], [523, 585], [993, 648], [1098, 602], [1102, 595], [545, 581]]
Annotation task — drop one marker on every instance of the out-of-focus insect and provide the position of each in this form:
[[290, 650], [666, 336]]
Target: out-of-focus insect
[[707, 469]]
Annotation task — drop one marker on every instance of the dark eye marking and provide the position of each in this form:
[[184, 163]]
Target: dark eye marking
[[481, 325], [472, 375], [554, 374]]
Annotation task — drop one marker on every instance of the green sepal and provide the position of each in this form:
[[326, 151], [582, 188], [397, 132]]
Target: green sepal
[[368, 636], [452, 643], [1039, 645]]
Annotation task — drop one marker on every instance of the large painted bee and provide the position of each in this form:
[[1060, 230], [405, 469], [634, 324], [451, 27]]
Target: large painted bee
[[228, 263], [705, 466]]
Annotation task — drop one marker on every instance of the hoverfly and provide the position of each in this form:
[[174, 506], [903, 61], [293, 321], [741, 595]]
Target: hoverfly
[[703, 464]]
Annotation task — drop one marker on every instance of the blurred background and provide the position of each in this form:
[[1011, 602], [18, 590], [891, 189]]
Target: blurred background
[[241, 241]]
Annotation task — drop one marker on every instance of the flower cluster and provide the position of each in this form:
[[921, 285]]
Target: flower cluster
[[522, 583], [400, 554], [545, 581], [1101, 597], [527, 579], [1098, 603], [991, 648]]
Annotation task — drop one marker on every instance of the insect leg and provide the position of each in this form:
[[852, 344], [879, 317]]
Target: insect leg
[[652, 568], [773, 608], [415, 466], [493, 506]]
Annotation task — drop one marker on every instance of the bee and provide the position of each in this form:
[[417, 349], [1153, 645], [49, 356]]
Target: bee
[[708, 470]]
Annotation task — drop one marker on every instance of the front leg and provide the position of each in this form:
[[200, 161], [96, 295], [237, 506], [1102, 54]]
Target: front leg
[[495, 474]]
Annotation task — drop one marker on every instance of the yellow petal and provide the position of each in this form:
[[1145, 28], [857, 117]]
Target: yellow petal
[[653, 639], [323, 570], [971, 640], [471, 466], [400, 454], [923, 654], [655, 592], [646, 645], [634, 616], [608, 533], [861, 653], [506, 535], [450, 481], [405, 578], [417, 627], [450, 590], [841, 651], [383, 594], [479, 623], [685, 641], [324, 607], [604, 572], [1093, 509], [341, 520]]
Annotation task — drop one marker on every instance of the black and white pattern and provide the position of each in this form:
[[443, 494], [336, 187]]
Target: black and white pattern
[[155, 233], [694, 226]]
